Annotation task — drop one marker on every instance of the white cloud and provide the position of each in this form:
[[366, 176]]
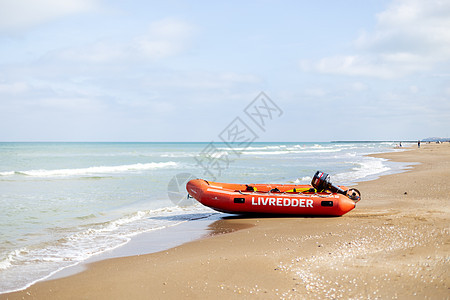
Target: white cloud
[[200, 80], [354, 65], [413, 89], [385, 66], [315, 92], [410, 36], [358, 86], [71, 104], [164, 38], [13, 88], [23, 14], [169, 28], [239, 78], [97, 52]]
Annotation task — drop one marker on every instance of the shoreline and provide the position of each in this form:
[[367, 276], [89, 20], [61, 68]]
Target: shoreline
[[150, 242], [386, 236], [144, 243]]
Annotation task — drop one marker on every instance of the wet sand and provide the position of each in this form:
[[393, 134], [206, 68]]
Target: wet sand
[[395, 244]]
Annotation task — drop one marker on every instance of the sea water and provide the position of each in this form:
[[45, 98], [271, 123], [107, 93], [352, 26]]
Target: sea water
[[62, 203]]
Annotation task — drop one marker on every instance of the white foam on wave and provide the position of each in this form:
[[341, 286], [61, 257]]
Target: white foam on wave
[[93, 170], [7, 173], [286, 149], [5, 263], [219, 154], [303, 180], [250, 148], [265, 152], [321, 150], [368, 168], [213, 154], [178, 155]]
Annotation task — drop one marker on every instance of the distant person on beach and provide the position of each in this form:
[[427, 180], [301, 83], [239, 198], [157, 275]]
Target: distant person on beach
[[418, 144]]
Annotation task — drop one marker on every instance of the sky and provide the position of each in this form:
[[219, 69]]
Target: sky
[[97, 70]]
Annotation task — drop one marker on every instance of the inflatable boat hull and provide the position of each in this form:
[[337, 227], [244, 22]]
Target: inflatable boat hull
[[268, 198]]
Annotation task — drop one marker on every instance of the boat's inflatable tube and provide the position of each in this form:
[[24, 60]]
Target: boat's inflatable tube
[[269, 198]]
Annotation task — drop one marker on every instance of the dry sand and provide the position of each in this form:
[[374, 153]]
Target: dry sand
[[395, 244]]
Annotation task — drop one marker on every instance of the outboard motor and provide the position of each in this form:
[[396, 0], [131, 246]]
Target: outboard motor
[[321, 182]]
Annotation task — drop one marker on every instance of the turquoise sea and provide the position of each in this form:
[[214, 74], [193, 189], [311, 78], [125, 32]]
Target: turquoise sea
[[62, 203]]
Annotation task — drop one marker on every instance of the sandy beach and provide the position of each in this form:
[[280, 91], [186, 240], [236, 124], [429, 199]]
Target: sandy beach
[[395, 244]]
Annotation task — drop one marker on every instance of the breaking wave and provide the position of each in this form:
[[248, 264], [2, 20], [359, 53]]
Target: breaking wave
[[92, 170]]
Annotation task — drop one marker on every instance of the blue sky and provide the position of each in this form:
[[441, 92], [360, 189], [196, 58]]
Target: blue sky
[[93, 70]]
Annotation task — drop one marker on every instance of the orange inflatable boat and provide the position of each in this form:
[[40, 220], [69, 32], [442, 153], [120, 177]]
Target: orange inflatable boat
[[321, 198]]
